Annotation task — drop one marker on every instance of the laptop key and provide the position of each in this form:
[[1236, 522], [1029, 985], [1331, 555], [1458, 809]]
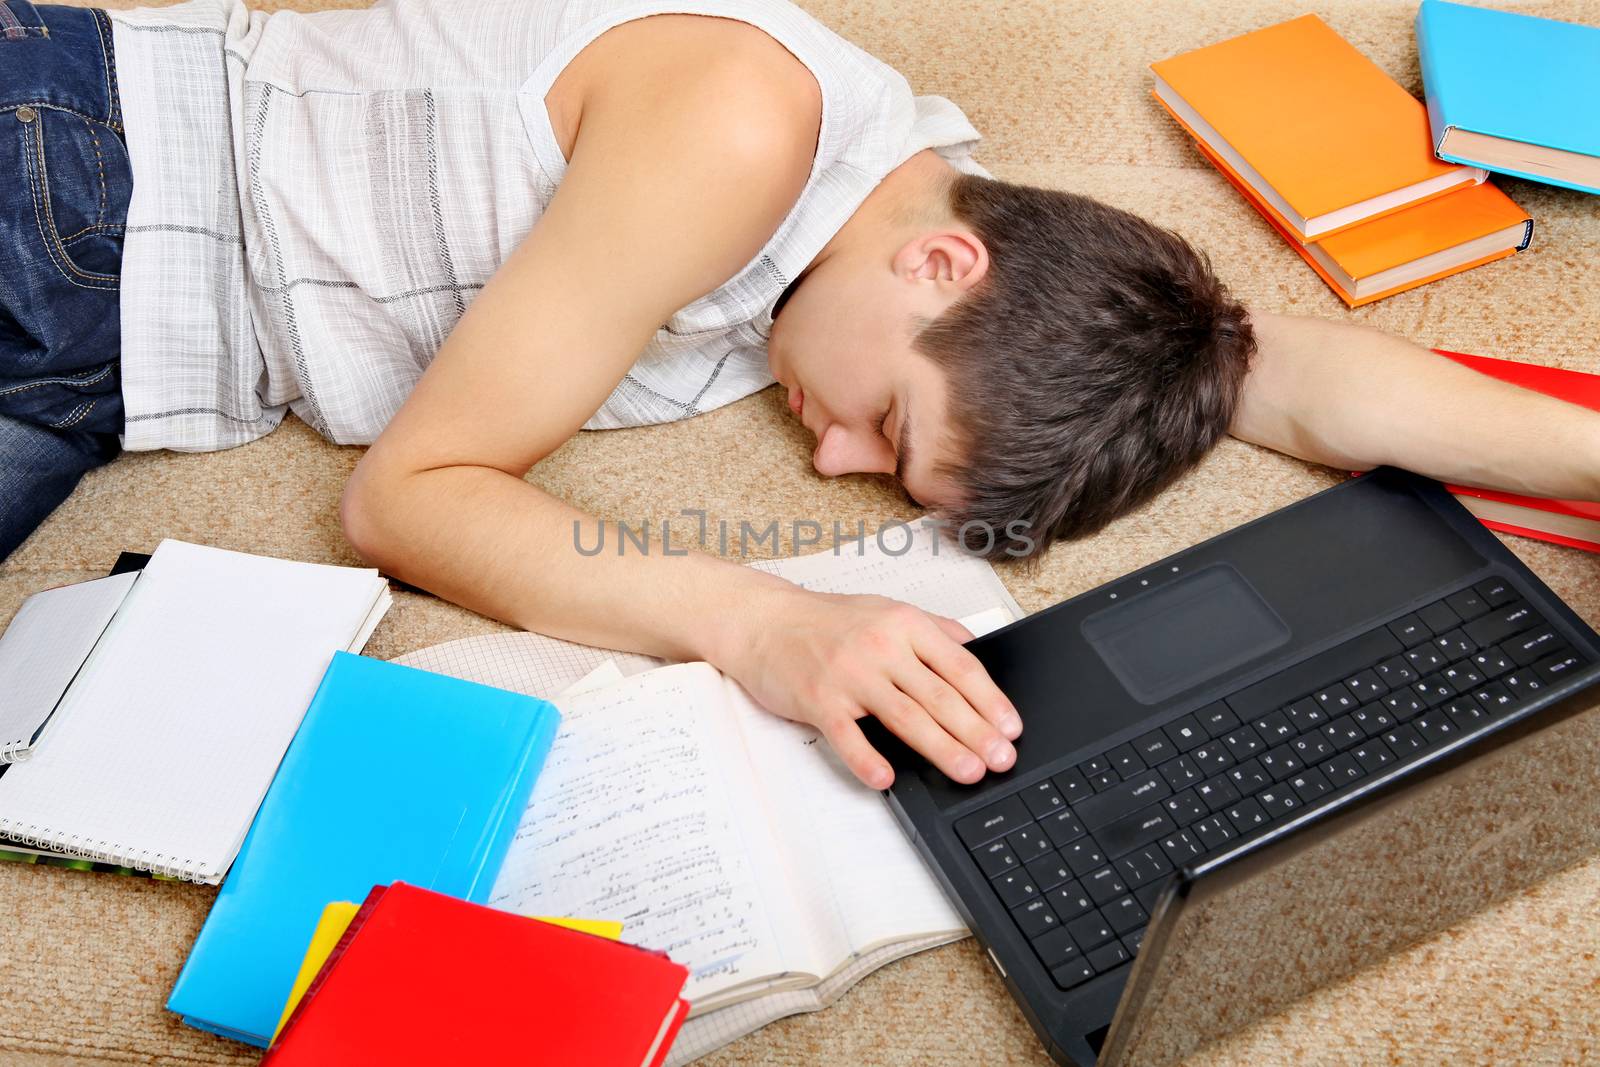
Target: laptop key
[[1373, 719], [1404, 741], [1278, 801], [1310, 784], [1528, 648], [1181, 848], [1217, 792], [1073, 785], [1249, 777], [1344, 732], [1494, 697], [1554, 668], [1213, 832], [1247, 815], [1029, 843], [1243, 743], [1523, 683], [1468, 604], [1403, 704], [1217, 719], [1185, 808], [1439, 617], [1502, 622], [1466, 713], [1047, 872], [1131, 831], [1425, 659], [1015, 888], [1042, 798], [1454, 645], [1496, 591], [1072, 974], [1155, 748], [1055, 947], [996, 820], [1463, 677], [1069, 901], [1304, 714], [1281, 762], [996, 858], [1395, 672], [1180, 773], [1104, 780], [1083, 856], [1133, 939], [1410, 631], [1143, 865], [1035, 918], [1104, 885], [1372, 754], [1186, 733], [1093, 766], [1125, 914], [1125, 761], [1149, 893], [1336, 699], [1492, 661], [1062, 827], [1434, 690], [1343, 769], [1089, 930], [1212, 757], [1109, 957], [1274, 727], [1312, 748], [1142, 790], [1366, 686]]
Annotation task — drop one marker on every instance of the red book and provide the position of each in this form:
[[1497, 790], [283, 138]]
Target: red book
[[422, 978], [1574, 523]]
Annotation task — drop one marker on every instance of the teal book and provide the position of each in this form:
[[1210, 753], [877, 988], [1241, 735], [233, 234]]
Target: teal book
[[1512, 93], [395, 775]]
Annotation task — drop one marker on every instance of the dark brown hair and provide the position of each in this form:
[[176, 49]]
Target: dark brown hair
[[1098, 360]]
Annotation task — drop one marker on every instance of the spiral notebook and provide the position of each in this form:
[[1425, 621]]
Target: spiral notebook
[[164, 743]]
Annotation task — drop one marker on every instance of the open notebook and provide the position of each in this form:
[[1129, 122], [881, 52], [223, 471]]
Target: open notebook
[[729, 838], [164, 743]]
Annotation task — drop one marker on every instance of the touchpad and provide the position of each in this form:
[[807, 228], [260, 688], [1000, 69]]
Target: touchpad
[[1161, 643]]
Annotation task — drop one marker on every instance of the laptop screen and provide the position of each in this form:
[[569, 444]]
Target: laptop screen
[[1241, 940]]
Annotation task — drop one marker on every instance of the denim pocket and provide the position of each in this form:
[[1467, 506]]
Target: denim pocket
[[19, 19], [79, 183]]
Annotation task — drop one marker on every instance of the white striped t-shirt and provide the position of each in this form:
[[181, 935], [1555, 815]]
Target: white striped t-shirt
[[318, 197]]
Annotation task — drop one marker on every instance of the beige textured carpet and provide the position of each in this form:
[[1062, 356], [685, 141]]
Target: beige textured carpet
[[1061, 92]]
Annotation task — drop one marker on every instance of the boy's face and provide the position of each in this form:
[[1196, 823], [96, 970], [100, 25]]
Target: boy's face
[[842, 347]]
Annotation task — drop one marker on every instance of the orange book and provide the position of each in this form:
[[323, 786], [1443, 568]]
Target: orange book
[[1574, 523], [1465, 228], [1323, 136]]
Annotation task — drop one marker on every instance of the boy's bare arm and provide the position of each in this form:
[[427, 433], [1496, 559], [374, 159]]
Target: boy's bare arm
[[674, 184], [1353, 397]]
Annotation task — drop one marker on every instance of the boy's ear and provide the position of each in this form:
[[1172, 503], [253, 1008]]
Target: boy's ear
[[954, 258]]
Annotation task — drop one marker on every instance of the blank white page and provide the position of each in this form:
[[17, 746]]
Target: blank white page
[[163, 748], [48, 640]]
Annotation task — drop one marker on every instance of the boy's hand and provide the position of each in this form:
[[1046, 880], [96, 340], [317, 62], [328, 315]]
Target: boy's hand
[[829, 660]]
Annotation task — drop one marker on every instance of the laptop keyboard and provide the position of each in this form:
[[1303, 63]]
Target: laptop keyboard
[[1079, 858]]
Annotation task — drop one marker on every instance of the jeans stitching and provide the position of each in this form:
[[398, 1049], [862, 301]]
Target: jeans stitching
[[77, 415], [38, 181], [100, 166], [102, 24], [94, 379], [99, 227]]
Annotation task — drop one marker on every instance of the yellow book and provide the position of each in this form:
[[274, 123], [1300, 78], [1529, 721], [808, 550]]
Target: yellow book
[[336, 919]]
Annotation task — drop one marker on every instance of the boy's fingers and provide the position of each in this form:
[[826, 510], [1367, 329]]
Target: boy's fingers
[[958, 718], [953, 629], [916, 726], [857, 753], [966, 675]]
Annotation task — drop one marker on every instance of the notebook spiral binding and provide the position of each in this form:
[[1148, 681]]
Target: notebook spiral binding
[[74, 847], [9, 750]]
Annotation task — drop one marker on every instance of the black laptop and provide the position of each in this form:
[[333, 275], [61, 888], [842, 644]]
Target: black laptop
[[1183, 717]]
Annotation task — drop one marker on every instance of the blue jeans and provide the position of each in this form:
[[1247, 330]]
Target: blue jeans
[[65, 203]]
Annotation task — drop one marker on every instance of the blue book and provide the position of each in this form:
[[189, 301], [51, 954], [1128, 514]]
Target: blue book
[[396, 775], [1512, 93]]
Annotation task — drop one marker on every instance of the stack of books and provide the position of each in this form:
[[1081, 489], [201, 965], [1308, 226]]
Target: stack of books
[[1340, 159]]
